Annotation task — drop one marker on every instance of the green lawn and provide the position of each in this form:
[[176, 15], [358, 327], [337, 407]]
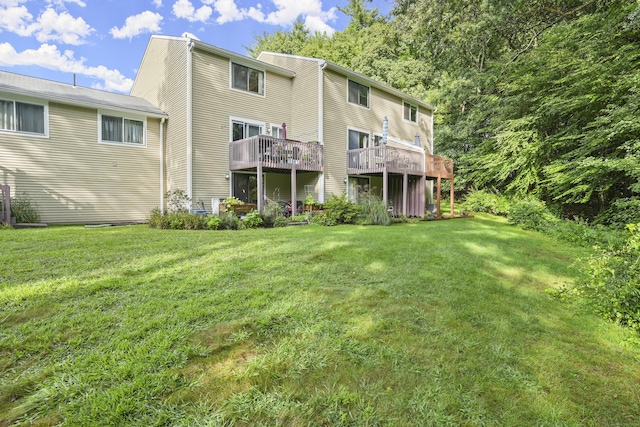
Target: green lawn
[[437, 323]]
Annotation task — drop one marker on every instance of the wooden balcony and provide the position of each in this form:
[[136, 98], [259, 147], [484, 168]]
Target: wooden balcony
[[383, 158], [438, 167], [271, 153]]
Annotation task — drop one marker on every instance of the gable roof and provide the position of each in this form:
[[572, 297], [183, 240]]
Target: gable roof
[[64, 93], [350, 73]]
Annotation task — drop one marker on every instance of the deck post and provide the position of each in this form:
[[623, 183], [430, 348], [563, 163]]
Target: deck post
[[438, 214], [451, 193], [405, 184], [385, 187], [423, 195], [5, 191], [294, 203], [260, 195]]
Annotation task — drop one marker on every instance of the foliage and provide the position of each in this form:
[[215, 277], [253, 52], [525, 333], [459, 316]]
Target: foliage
[[24, 209], [252, 219], [177, 201], [232, 201], [374, 210], [270, 213], [229, 221], [621, 212], [486, 201], [341, 210], [280, 221], [213, 222], [531, 214], [298, 218], [611, 283]]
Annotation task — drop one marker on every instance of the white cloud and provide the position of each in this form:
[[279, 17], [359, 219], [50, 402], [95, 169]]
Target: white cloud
[[316, 23], [145, 22], [60, 3], [50, 26], [16, 19], [189, 35], [228, 11], [11, 3], [62, 27], [184, 9], [158, 3], [48, 56], [288, 10]]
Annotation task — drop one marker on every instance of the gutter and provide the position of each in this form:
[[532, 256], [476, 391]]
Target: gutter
[[322, 66], [162, 165], [190, 46]]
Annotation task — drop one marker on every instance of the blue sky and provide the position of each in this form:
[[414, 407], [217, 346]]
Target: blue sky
[[103, 41]]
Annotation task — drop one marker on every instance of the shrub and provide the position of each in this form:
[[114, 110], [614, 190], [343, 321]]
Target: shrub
[[252, 219], [341, 210], [611, 283], [229, 221], [213, 222], [298, 218], [270, 213], [194, 221], [280, 221], [24, 209], [620, 213], [531, 214], [177, 201], [323, 220], [374, 210], [486, 201]]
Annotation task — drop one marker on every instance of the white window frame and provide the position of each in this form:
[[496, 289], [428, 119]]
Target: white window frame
[[368, 133], [123, 116], [368, 106], [32, 101], [274, 127], [251, 67], [232, 119], [410, 106]]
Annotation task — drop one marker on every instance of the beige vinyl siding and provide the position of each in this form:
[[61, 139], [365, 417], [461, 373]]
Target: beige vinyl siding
[[304, 94], [214, 102], [162, 80], [74, 179]]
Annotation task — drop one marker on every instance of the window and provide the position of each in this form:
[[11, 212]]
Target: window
[[410, 113], [242, 130], [276, 131], [358, 94], [358, 139], [16, 116], [122, 130], [377, 140], [247, 79]]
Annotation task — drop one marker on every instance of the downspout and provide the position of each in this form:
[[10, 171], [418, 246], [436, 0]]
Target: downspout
[[321, 68], [162, 165], [189, 120]]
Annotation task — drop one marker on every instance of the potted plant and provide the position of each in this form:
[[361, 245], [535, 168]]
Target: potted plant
[[310, 204], [231, 204]]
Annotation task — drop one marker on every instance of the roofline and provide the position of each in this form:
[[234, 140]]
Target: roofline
[[243, 58], [348, 72], [374, 83], [70, 101]]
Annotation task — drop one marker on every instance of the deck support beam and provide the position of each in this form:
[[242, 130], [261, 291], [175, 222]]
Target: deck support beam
[[451, 194], [294, 185], [385, 187], [405, 185], [423, 195], [260, 187], [438, 214]]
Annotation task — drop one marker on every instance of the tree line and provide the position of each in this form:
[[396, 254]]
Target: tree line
[[536, 98]]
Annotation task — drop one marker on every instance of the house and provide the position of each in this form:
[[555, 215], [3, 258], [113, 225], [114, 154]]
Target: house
[[83, 155], [215, 123]]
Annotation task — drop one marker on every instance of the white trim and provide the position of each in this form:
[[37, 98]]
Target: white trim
[[417, 112], [264, 79], [162, 165], [269, 129], [138, 118], [246, 121], [190, 121], [368, 106], [27, 100], [349, 128], [321, 178]]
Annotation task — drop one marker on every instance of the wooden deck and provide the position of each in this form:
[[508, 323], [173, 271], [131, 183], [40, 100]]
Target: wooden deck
[[374, 160], [275, 153], [438, 167]]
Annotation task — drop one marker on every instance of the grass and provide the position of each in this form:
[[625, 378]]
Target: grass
[[436, 323]]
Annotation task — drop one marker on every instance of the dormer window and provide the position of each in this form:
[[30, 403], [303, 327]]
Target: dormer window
[[247, 79]]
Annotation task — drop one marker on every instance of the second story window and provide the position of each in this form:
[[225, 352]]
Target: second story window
[[122, 130], [410, 112], [358, 94], [242, 130], [22, 117], [358, 139], [248, 79]]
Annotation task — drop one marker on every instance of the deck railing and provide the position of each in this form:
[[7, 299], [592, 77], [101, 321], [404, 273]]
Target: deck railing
[[436, 166], [275, 153], [376, 159], [5, 204]]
